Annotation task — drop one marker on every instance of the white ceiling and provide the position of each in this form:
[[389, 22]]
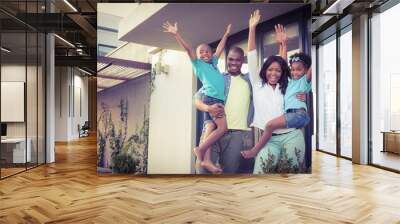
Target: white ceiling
[[198, 23]]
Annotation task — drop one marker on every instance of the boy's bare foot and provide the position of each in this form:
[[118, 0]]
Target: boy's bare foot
[[211, 167], [249, 153], [197, 153]]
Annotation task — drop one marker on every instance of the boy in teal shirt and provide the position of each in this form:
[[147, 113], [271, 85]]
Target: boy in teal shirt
[[205, 68]]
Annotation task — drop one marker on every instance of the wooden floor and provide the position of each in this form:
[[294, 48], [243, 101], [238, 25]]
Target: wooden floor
[[386, 159], [70, 191], [10, 171]]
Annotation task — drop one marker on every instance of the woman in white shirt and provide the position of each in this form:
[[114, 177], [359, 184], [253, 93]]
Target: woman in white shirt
[[284, 152]]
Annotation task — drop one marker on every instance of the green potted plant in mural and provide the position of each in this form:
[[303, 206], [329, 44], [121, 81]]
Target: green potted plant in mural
[[283, 164], [124, 163]]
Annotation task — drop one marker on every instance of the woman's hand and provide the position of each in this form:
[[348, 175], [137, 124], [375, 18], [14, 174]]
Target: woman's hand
[[281, 36], [255, 18]]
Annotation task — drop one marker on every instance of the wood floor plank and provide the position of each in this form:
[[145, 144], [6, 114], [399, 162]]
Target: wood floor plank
[[70, 191]]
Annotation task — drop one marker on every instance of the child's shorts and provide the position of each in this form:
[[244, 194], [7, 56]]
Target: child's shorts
[[296, 118], [210, 101]]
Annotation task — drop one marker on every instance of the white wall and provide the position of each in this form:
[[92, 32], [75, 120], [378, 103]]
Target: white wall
[[136, 92], [61, 103], [172, 117], [12, 73], [68, 83], [33, 126], [79, 117]]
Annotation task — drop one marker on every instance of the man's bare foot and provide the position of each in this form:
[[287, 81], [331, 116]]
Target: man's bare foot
[[249, 153], [211, 167]]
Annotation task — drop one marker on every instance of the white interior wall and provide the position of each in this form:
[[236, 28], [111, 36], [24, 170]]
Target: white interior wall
[[172, 126], [12, 73], [68, 82], [61, 103], [17, 73], [80, 114]]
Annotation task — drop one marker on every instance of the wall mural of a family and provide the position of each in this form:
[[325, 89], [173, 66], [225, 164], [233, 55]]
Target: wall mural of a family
[[269, 101]]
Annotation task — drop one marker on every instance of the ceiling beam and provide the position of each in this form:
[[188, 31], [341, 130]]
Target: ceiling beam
[[50, 22], [114, 78], [125, 63], [84, 24], [102, 87], [78, 61]]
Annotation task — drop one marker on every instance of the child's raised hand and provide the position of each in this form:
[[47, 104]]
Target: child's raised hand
[[281, 36], [255, 18], [169, 28]]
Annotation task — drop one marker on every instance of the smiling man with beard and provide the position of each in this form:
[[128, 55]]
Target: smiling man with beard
[[239, 115]]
